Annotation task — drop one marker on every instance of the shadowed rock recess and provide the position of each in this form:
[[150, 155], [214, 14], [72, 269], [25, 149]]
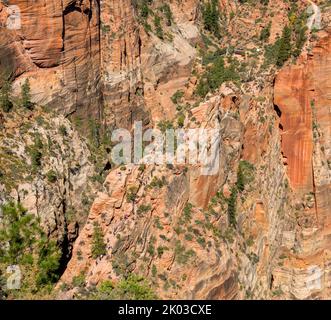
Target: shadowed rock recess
[[259, 72]]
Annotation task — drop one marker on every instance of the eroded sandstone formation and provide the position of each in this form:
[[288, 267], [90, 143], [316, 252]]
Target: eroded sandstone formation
[[57, 48], [170, 223], [302, 96]]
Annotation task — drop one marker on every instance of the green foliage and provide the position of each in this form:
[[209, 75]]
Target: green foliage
[[245, 175], [215, 75], [188, 212], [25, 95], [98, 243], [104, 27], [35, 152], [181, 120], [5, 96], [285, 48], [133, 287], [23, 243], [158, 27], [48, 261], [182, 255], [78, 281], [19, 230], [164, 125], [211, 57], [144, 209], [265, 33], [167, 13], [51, 176], [143, 8], [161, 250], [158, 183], [131, 195], [232, 207], [210, 15], [292, 40], [63, 130], [178, 95], [300, 29]]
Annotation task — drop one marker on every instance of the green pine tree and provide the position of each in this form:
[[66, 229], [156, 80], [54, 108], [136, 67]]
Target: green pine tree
[[232, 206], [98, 243], [285, 49], [5, 96], [26, 96], [23, 243], [210, 16]]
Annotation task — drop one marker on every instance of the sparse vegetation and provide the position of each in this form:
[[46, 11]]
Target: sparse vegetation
[[51, 176], [178, 95], [24, 243], [133, 287], [158, 183], [36, 152], [131, 195], [215, 75], [210, 15], [25, 95], [98, 244], [265, 33], [5, 96], [144, 209]]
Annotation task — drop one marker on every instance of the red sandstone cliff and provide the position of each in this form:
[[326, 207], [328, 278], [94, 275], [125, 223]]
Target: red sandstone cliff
[[57, 48], [277, 120]]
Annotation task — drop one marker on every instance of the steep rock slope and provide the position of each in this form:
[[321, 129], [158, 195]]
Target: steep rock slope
[[46, 166], [272, 251], [141, 71], [302, 93], [262, 220]]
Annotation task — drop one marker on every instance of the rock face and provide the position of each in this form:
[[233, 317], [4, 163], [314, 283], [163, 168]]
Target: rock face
[[296, 123], [302, 94], [262, 220], [154, 236], [57, 48], [141, 72], [45, 165]]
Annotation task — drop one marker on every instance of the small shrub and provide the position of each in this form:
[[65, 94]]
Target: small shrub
[[131, 195], [78, 281], [265, 33], [51, 176], [177, 97], [158, 27], [144, 208]]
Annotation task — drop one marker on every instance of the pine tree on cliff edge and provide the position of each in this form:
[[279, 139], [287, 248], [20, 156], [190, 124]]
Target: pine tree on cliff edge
[[285, 48]]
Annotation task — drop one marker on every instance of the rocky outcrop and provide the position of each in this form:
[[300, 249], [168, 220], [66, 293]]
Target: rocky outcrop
[[262, 218], [56, 46], [45, 165], [140, 71]]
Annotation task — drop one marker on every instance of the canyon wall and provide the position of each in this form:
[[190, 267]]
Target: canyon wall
[[302, 94], [163, 221], [57, 47]]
